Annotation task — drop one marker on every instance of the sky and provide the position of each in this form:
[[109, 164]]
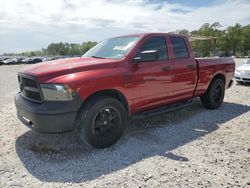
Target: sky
[[27, 25]]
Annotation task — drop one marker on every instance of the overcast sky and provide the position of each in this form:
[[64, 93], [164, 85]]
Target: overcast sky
[[33, 24]]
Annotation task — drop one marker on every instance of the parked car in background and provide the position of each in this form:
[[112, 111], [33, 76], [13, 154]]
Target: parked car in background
[[242, 73], [20, 59], [31, 60], [1, 60], [10, 61]]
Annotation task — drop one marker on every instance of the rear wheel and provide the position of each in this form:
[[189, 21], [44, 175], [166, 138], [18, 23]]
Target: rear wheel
[[101, 122], [214, 95]]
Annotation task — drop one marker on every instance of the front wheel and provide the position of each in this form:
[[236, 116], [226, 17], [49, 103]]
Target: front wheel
[[214, 95], [101, 121]]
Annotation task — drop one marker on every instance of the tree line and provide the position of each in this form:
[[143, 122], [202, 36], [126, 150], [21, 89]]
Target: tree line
[[231, 41], [60, 49]]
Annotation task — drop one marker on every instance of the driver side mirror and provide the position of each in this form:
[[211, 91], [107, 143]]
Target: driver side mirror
[[148, 55]]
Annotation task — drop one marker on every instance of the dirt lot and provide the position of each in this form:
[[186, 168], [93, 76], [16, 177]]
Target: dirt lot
[[192, 147]]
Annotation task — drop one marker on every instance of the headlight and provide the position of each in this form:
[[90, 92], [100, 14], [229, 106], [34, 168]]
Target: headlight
[[237, 71], [57, 92]]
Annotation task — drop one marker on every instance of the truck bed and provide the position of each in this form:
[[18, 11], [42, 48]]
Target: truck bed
[[208, 67]]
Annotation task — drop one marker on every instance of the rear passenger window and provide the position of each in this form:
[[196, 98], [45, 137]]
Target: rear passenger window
[[156, 43], [179, 47]]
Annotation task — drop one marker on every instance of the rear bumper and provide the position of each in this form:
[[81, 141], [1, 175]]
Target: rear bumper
[[47, 117]]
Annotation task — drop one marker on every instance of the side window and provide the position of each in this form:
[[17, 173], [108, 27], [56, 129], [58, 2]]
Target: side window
[[179, 48], [157, 43]]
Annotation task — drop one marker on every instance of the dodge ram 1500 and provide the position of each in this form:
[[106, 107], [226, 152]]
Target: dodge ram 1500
[[133, 76]]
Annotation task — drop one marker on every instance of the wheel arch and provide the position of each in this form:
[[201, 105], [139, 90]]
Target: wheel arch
[[218, 76], [111, 93], [207, 98]]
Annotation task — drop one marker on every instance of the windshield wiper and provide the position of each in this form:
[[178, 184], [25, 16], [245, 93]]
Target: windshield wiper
[[98, 57]]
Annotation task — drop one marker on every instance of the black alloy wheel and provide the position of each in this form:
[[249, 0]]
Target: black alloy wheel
[[101, 121], [214, 95], [105, 122]]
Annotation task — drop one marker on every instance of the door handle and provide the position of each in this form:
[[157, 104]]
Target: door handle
[[191, 66], [167, 68]]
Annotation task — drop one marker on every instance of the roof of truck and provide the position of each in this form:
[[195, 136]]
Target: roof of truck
[[190, 38], [146, 34]]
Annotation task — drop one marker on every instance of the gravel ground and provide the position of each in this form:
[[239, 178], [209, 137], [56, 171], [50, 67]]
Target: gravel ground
[[192, 147]]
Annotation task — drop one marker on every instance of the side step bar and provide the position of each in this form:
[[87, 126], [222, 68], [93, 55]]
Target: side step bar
[[162, 110]]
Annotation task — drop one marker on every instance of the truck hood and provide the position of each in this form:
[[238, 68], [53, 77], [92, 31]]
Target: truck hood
[[244, 67], [52, 69]]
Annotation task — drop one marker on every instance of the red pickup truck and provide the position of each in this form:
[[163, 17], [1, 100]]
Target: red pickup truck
[[133, 76]]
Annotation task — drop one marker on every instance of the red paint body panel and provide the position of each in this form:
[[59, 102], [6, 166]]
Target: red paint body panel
[[144, 85], [208, 68]]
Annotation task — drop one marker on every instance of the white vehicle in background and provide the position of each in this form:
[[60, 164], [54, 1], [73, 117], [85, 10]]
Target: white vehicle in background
[[242, 73], [10, 61]]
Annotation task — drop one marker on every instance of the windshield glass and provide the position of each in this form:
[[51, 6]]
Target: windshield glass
[[114, 48], [248, 62]]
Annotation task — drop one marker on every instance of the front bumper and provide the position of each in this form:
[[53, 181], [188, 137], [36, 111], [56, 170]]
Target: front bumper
[[242, 77], [47, 117]]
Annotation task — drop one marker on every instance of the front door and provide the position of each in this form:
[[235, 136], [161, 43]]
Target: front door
[[152, 79]]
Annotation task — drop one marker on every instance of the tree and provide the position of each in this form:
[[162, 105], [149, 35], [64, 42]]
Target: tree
[[245, 43], [71, 49], [183, 32], [206, 47], [234, 37]]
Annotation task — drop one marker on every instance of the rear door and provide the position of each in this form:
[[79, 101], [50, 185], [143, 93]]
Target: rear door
[[152, 79], [184, 67]]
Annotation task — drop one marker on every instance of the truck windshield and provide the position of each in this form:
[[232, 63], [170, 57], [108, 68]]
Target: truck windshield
[[114, 48]]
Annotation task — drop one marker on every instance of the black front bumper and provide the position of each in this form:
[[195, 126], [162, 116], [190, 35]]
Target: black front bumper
[[47, 117]]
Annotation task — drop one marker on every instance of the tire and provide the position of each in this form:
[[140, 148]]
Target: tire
[[214, 95], [101, 122]]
